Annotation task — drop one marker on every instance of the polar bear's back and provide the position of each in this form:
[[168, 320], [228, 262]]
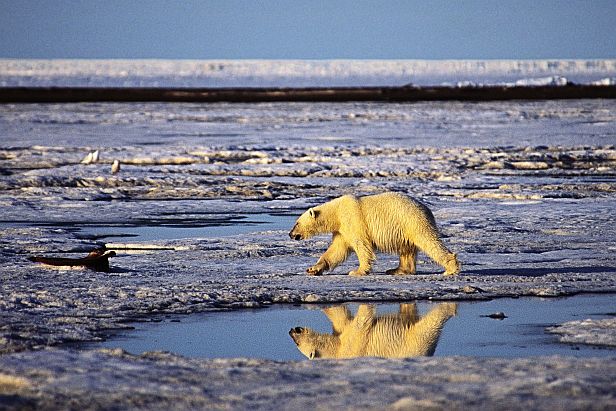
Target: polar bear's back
[[394, 221]]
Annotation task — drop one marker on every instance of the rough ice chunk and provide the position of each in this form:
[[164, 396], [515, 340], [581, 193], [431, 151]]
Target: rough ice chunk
[[544, 81]]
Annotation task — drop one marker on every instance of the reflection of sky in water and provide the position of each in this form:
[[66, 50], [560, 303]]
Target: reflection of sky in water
[[245, 333], [264, 333], [253, 223]]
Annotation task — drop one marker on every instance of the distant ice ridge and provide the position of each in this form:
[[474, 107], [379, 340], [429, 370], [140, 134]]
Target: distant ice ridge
[[299, 73], [605, 82], [545, 81]]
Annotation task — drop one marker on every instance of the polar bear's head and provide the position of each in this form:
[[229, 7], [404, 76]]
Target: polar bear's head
[[307, 225], [313, 344]]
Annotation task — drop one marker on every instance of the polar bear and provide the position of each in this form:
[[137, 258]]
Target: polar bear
[[388, 222], [399, 335]]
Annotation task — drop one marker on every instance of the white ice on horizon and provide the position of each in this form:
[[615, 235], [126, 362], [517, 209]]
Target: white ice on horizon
[[212, 73], [608, 81], [544, 81]]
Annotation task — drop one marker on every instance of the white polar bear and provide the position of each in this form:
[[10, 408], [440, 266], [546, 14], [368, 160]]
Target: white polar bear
[[388, 222]]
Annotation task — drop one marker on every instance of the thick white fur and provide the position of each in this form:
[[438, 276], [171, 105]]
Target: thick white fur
[[399, 335], [388, 222]]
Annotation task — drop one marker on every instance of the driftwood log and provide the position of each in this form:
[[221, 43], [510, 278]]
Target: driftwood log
[[97, 260]]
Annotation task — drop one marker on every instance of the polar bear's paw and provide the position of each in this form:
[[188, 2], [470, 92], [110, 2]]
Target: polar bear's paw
[[315, 270], [399, 271], [452, 266]]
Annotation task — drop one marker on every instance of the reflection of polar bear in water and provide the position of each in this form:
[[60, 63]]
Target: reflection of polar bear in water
[[399, 335], [388, 222]]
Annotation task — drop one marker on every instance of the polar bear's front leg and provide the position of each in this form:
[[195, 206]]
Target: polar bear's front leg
[[336, 253], [340, 316], [318, 268], [365, 255]]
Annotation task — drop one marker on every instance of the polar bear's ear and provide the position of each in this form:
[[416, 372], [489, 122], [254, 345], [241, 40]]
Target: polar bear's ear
[[314, 213]]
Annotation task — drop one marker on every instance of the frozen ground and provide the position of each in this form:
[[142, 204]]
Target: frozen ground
[[523, 192], [53, 379]]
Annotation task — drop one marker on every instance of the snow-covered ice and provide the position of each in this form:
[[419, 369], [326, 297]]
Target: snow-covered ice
[[51, 379], [523, 192], [594, 332], [545, 81]]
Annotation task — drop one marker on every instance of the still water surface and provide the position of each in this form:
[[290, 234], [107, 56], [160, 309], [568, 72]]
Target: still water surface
[[265, 333], [241, 224]]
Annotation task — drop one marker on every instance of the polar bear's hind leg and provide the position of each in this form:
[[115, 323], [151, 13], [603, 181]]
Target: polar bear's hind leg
[[436, 250], [407, 264]]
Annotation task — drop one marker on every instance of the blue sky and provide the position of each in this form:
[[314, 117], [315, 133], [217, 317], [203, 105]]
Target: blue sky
[[304, 29]]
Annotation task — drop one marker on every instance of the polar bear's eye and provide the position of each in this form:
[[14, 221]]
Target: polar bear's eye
[[312, 355]]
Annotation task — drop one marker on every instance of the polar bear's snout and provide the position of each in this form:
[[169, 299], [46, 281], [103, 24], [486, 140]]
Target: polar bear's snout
[[294, 234]]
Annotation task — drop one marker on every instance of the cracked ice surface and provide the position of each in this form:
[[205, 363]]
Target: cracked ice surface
[[523, 192]]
